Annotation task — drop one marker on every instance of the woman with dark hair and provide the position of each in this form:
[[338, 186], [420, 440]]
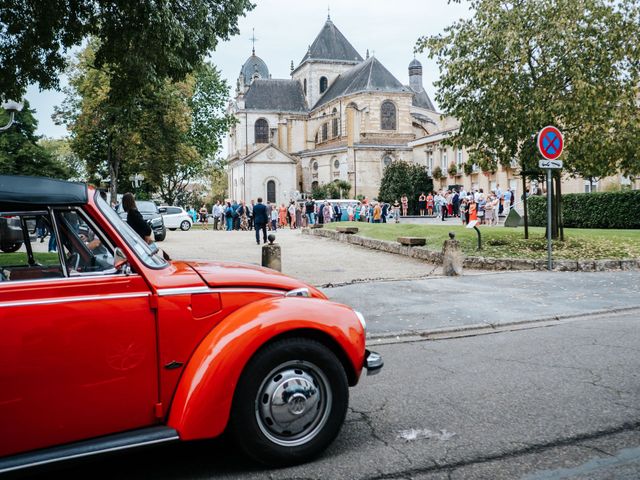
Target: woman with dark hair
[[134, 217]]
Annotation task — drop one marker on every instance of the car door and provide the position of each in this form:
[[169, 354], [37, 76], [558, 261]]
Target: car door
[[77, 340], [172, 217]]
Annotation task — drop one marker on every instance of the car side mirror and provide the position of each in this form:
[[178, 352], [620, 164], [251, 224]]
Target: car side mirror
[[120, 261]]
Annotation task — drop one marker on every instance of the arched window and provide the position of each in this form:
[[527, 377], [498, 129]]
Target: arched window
[[336, 164], [305, 86], [271, 191], [262, 131], [314, 165], [324, 83], [388, 116], [334, 123], [325, 131]]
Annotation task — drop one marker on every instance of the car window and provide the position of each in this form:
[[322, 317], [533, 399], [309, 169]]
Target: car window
[[173, 210], [26, 249], [84, 248], [146, 206], [132, 239]]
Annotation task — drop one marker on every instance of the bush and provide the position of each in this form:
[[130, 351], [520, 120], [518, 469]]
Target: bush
[[402, 178], [591, 210]]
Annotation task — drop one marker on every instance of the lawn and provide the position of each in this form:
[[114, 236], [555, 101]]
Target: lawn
[[501, 242], [20, 258]]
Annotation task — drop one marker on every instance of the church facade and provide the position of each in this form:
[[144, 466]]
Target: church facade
[[339, 117], [344, 117]]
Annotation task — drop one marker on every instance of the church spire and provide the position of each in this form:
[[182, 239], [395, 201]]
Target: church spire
[[328, 13], [253, 41]]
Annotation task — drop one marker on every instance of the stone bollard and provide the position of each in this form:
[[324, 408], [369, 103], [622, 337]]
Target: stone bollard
[[271, 256], [452, 256]]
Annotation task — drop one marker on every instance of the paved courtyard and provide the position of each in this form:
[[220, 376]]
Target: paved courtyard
[[317, 261]]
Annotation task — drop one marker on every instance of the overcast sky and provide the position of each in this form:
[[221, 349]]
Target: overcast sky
[[285, 28]]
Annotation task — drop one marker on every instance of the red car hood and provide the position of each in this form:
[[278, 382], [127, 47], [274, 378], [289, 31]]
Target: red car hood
[[229, 274]]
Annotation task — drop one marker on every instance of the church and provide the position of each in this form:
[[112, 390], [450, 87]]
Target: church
[[339, 117]]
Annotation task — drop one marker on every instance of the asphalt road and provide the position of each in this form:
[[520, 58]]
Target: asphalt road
[[561, 402], [425, 305]]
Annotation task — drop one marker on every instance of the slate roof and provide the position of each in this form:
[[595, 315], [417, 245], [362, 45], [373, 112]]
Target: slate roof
[[368, 76], [275, 95], [331, 44], [253, 65], [422, 100]]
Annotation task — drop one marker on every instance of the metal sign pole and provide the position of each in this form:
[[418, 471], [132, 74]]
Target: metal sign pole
[[549, 196]]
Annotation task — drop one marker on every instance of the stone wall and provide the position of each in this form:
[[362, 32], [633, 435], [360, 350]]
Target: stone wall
[[479, 263]]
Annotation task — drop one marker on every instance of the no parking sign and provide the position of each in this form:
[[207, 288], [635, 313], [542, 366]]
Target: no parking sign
[[550, 142]]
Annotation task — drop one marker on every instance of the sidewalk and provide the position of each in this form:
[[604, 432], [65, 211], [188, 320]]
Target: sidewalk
[[406, 307]]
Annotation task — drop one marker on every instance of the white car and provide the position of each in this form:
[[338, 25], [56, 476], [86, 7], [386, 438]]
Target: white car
[[176, 217]]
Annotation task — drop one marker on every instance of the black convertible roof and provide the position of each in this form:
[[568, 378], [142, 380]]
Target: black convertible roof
[[21, 190]]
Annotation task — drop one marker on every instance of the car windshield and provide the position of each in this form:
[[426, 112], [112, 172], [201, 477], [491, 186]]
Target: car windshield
[[139, 246], [146, 206]]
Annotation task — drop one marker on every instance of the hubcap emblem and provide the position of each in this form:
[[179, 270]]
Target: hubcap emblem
[[297, 404]]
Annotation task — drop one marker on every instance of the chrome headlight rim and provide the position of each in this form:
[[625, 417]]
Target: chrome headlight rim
[[363, 322]]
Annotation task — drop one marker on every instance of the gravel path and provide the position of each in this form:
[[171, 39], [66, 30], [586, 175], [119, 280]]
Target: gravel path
[[317, 261]]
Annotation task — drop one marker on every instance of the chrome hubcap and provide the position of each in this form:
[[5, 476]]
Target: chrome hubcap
[[293, 403]]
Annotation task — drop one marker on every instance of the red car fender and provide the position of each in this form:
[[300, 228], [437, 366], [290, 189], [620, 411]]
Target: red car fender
[[203, 398]]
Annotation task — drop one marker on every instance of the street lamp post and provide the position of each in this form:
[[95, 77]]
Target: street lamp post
[[12, 107]]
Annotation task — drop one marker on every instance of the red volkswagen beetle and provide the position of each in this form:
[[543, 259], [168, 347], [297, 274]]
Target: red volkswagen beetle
[[105, 345]]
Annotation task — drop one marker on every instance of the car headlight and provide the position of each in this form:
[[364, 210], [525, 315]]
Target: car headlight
[[363, 322]]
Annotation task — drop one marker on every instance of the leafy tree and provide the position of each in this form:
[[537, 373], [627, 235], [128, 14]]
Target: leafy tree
[[344, 188], [60, 150], [209, 120], [517, 66], [402, 178], [142, 42], [168, 132], [20, 153]]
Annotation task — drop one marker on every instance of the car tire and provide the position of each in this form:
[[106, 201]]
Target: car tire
[[10, 247], [160, 237], [173, 229], [290, 402], [185, 225]]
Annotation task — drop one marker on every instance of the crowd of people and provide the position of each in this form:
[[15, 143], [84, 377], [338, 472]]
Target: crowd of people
[[233, 215], [468, 206]]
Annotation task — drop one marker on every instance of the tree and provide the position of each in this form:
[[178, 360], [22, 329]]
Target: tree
[[343, 187], [402, 178], [517, 66], [143, 42], [20, 153], [60, 150], [168, 132]]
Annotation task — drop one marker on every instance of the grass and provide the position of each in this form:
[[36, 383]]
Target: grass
[[501, 242], [18, 259]]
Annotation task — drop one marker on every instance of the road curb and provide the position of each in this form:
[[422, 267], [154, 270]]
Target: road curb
[[443, 333], [479, 263]]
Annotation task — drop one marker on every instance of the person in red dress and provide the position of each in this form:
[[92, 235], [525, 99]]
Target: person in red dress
[[405, 205], [430, 204]]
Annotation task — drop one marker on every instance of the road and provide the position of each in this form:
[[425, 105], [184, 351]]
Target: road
[[560, 402]]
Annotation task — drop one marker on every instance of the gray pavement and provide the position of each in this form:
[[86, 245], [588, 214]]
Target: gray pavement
[[315, 260], [537, 404], [418, 306]]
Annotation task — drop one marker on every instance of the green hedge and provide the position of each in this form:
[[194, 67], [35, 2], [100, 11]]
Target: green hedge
[[591, 210]]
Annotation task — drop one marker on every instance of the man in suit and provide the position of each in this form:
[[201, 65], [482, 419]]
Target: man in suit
[[260, 220]]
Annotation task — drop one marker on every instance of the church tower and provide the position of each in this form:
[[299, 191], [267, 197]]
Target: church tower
[[328, 56]]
